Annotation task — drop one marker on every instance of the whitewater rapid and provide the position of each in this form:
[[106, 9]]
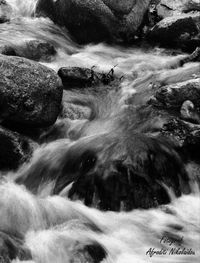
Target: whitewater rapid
[[49, 223]]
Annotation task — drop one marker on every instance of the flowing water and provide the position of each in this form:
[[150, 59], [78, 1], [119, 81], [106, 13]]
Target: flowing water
[[57, 229]]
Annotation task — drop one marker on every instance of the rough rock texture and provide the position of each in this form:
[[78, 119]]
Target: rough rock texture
[[176, 7], [180, 102], [74, 111], [76, 77], [172, 97], [5, 11], [97, 20], [30, 94], [180, 31], [7, 50], [37, 50], [15, 149], [122, 175]]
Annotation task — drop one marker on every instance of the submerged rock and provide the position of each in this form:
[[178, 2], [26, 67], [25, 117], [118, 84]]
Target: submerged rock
[[73, 111], [5, 11], [121, 170], [37, 50], [95, 21], [30, 93], [15, 150], [124, 174]]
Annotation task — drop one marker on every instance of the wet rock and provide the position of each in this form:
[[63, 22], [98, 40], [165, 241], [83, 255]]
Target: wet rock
[[11, 248], [173, 96], [15, 150], [95, 21], [120, 170], [5, 11], [123, 175], [30, 93], [178, 31], [188, 112], [37, 50], [76, 77], [7, 50], [73, 111], [96, 252], [185, 134], [181, 118]]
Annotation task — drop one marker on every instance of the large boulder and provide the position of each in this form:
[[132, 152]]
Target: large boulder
[[179, 31], [37, 50], [30, 93], [15, 150], [97, 20]]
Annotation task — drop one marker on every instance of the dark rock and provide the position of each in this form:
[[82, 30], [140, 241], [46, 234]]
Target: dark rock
[[124, 175], [182, 132], [7, 50], [15, 150], [78, 77], [75, 77], [95, 21], [96, 252], [11, 248], [108, 172], [181, 119], [172, 97], [5, 11], [37, 50], [178, 31], [30, 94]]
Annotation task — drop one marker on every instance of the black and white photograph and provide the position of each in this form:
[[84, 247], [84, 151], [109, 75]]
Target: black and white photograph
[[99, 131]]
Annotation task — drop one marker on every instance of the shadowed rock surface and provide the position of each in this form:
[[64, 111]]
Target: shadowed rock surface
[[179, 31], [76, 77], [5, 11], [15, 150], [37, 50], [99, 20]]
